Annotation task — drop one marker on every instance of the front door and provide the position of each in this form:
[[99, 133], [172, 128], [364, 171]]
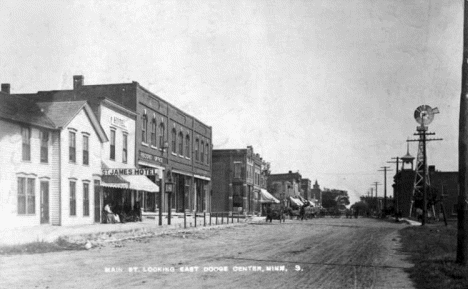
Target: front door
[[44, 202], [97, 202]]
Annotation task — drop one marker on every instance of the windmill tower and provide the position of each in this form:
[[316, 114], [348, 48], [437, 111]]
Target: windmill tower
[[423, 115]]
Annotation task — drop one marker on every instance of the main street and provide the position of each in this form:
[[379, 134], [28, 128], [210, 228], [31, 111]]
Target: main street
[[318, 253]]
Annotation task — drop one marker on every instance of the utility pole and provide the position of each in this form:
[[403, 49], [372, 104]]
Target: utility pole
[[396, 191], [376, 196], [385, 170], [462, 238]]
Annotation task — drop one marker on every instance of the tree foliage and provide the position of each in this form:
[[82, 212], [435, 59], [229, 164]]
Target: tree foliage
[[329, 198]]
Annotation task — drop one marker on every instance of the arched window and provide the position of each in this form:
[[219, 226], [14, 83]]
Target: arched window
[[187, 146], [161, 135], [202, 153], [197, 144], [181, 143], [173, 139], [207, 153]]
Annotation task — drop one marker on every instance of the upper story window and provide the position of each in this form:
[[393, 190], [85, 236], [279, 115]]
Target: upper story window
[[85, 150], [153, 132], [124, 147], [144, 128], [72, 146], [173, 139], [181, 143], [161, 135], [112, 145], [206, 153], [44, 146], [202, 152], [26, 140], [237, 169], [197, 147], [187, 146]]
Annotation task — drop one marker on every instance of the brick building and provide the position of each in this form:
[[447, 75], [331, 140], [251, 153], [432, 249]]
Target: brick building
[[285, 186], [239, 176], [443, 187], [166, 139], [306, 189], [50, 161]]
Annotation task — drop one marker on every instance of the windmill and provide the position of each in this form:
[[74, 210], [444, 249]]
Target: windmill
[[423, 115]]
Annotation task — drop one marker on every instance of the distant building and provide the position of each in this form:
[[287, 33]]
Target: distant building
[[306, 188], [316, 193], [283, 186], [238, 177], [443, 189], [51, 161]]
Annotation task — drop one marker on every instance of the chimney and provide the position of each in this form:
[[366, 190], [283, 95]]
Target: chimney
[[290, 172], [431, 169], [6, 88], [78, 81]]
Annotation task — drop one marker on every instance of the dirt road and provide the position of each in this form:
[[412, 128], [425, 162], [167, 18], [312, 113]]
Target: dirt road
[[318, 253]]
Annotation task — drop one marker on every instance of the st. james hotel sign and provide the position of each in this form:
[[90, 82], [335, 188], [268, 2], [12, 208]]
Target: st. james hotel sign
[[129, 172]]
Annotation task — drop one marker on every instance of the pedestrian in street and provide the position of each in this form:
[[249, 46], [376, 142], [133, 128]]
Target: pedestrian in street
[[302, 212]]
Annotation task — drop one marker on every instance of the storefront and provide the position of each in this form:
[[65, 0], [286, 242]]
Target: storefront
[[127, 188]]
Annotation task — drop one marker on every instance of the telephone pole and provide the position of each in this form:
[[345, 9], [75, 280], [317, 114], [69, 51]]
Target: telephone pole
[[462, 235], [385, 170], [376, 196], [396, 191]]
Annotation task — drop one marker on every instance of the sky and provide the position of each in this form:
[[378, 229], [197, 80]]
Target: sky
[[326, 88]]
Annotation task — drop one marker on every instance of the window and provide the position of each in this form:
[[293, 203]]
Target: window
[[202, 152], [124, 148], [72, 146], [85, 150], [85, 199], [161, 135], [72, 198], [26, 139], [153, 132], [44, 146], [206, 153], [187, 146], [181, 143], [197, 144], [26, 196], [173, 139], [112, 145], [144, 128], [237, 170]]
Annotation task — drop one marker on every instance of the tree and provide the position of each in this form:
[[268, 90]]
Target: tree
[[329, 198]]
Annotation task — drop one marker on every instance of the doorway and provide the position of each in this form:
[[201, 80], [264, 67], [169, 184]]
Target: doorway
[[44, 202]]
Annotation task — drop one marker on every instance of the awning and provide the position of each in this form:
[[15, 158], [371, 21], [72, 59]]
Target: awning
[[132, 182], [114, 182], [297, 202], [266, 197]]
